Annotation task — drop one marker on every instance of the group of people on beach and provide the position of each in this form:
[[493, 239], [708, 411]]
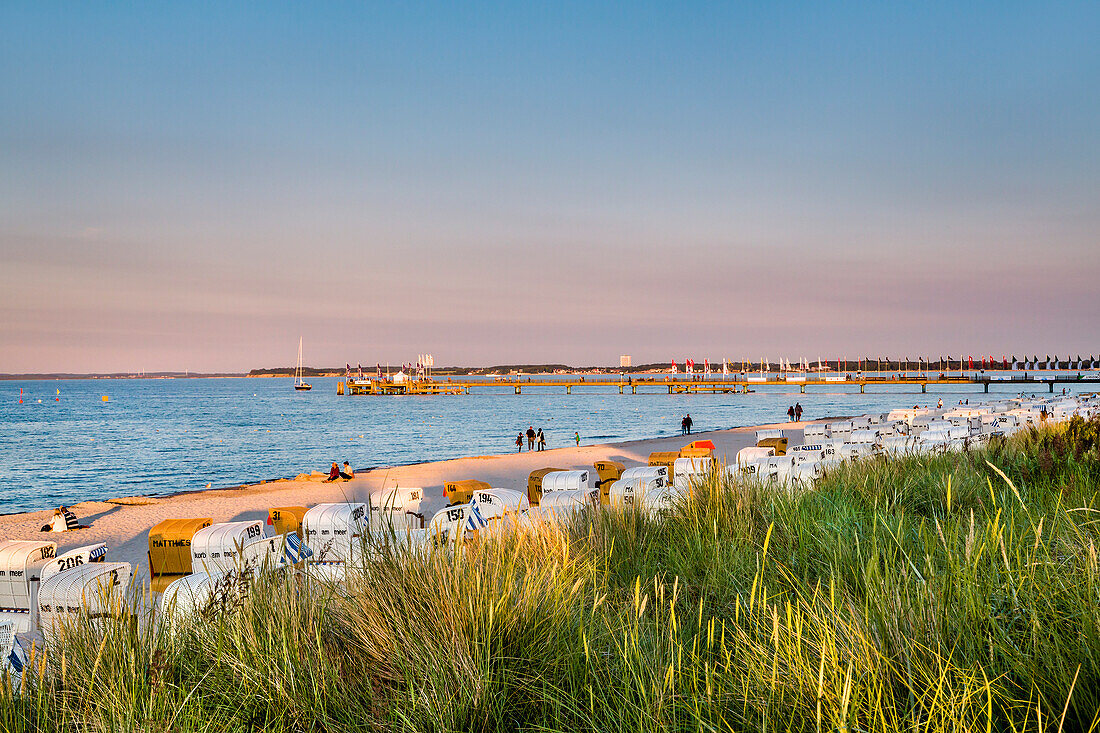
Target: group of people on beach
[[794, 412], [535, 441], [340, 472]]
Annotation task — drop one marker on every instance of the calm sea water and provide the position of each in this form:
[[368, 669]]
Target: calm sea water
[[161, 436]]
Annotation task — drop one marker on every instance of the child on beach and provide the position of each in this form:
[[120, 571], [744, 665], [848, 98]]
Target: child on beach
[[519, 443], [577, 437]]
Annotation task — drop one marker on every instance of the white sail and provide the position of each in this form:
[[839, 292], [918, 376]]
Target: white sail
[[299, 383], [298, 369]]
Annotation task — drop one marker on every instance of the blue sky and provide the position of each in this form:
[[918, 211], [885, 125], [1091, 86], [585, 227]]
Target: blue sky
[[194, 185]]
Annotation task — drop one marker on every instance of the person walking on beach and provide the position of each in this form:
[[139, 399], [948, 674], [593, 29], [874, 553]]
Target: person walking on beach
[[530, 437], [689, 422], [797, 411], [519, 443], [683, 426], [577, 438], [790, 413], [541, 440]]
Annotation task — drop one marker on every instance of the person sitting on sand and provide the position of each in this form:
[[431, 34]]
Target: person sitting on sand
[[333, 473], [346, 471], [63, 520]]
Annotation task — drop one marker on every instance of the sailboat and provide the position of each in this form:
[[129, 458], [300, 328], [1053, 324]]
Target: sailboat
[[298, 383]]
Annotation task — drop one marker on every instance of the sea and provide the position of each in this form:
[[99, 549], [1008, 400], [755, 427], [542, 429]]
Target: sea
[[72, 440]]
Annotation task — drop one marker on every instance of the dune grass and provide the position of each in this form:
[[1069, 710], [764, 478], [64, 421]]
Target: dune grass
[[945, 593]]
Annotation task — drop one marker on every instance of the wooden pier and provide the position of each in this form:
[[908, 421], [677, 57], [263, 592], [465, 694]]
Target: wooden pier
[[684, 384]]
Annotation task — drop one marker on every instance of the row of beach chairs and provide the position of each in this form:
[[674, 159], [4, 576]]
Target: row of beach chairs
[[190, 559]]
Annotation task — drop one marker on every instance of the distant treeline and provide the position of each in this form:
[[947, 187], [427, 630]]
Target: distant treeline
[[870, 364], [456, 370], [289, 372]]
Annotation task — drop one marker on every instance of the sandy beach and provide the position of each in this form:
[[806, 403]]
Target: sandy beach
[[125, 526]]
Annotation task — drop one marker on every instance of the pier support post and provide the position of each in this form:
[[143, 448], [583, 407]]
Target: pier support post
[[802, 388], [517, 389], [924, 388], [1051, 385], [633, 389], [861, 386], [670, 389], [987, 387], [620, 389], [569, 389]]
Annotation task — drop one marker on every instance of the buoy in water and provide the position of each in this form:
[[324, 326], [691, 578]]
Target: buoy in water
[[104, 398]]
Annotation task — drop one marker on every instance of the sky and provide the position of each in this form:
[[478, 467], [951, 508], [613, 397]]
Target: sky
[[197, 185]]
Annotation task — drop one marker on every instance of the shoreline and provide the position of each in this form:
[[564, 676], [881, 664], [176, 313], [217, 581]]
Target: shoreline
[[368, 469], [124, 522]]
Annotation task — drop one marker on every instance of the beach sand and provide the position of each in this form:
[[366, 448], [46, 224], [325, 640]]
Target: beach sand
[[125, 526]]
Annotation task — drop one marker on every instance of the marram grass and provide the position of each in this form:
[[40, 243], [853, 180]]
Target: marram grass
[[948, 593]]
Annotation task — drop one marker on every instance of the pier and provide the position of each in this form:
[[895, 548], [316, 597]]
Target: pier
[[686, 384]]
